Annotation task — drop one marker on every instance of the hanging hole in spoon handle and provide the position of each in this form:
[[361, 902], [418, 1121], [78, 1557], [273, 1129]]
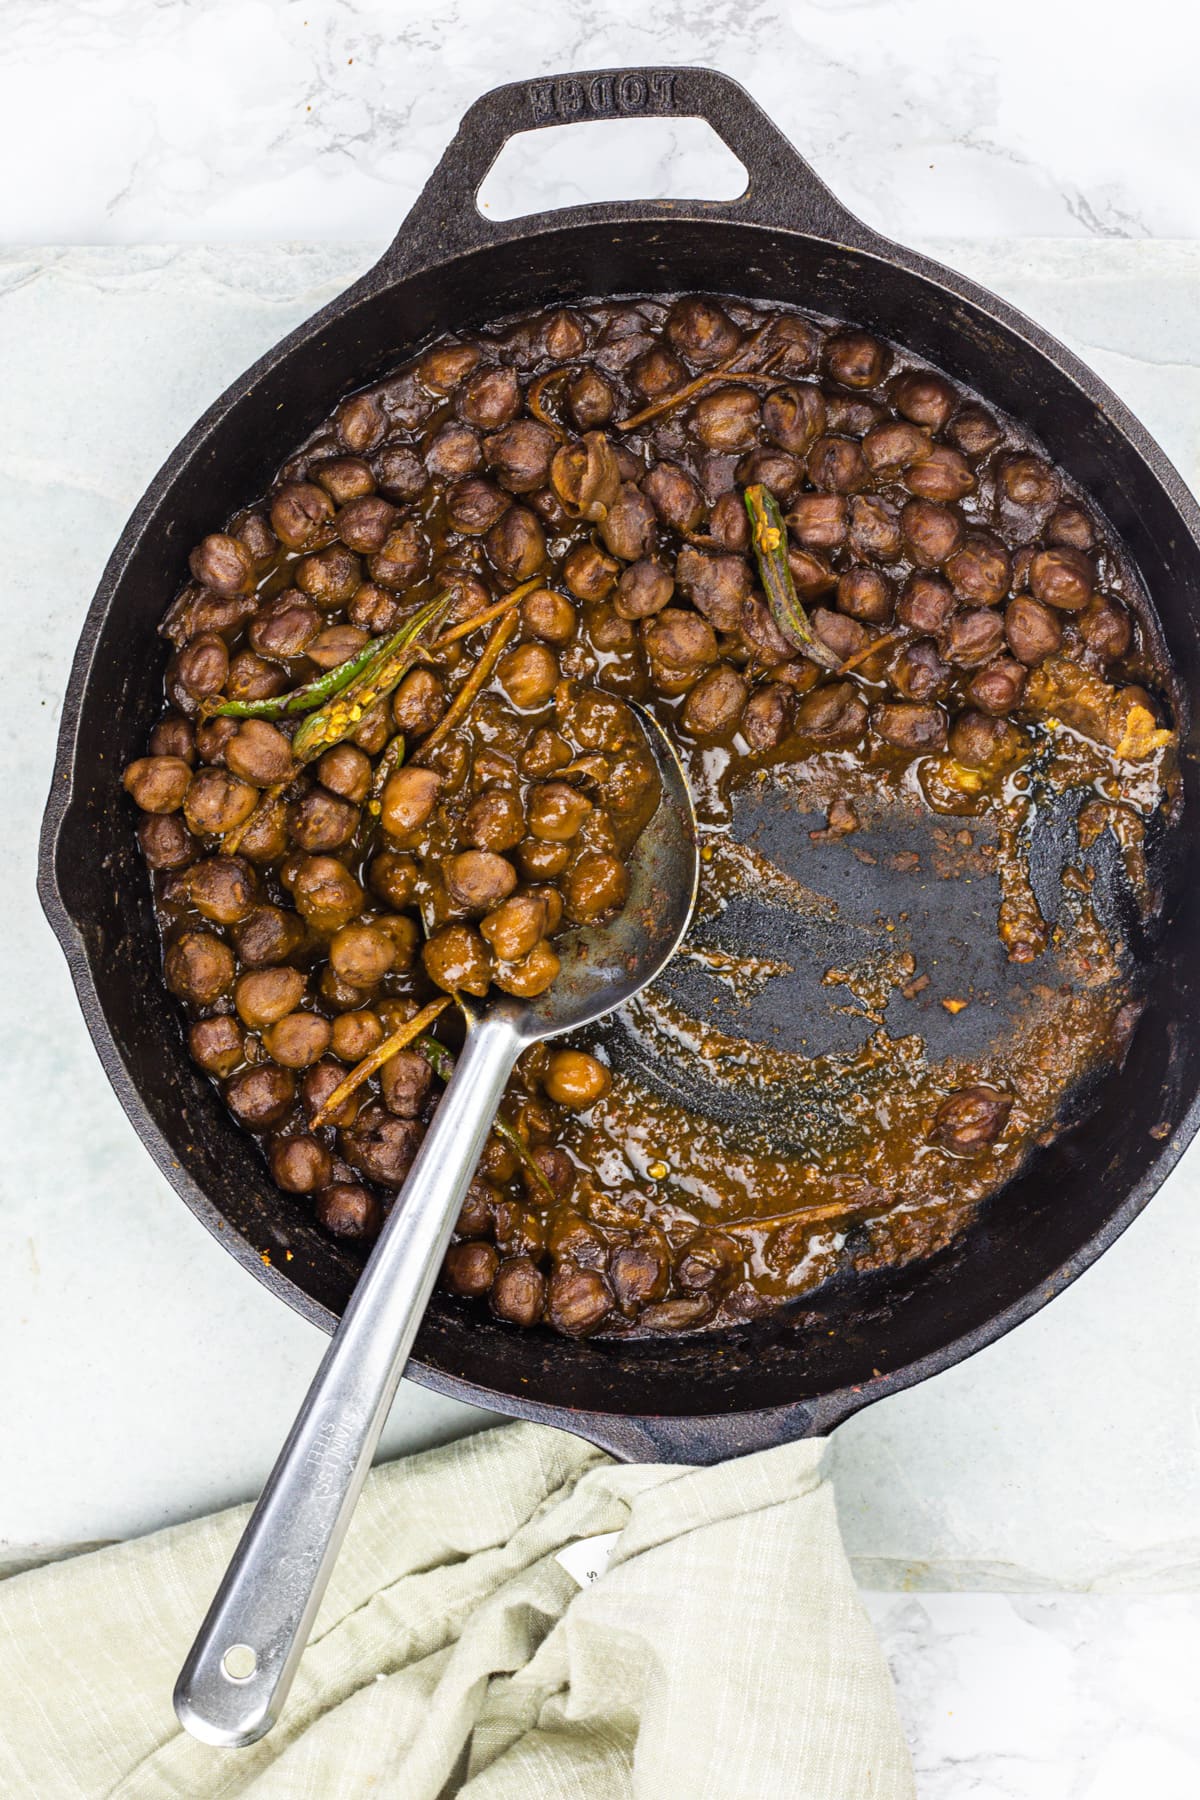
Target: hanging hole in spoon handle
[[783, 190]]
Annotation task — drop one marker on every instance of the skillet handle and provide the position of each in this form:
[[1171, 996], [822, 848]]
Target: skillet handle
[[782, 190]]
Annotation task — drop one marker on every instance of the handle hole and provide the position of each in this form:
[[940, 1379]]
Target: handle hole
[[610, 159], [239, 1662]]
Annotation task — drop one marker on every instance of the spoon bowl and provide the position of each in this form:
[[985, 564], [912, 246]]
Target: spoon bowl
[[605, 965], [238, 1671]]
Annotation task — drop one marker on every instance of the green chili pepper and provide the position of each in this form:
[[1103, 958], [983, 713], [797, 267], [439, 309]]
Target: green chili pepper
[[769, 537], [389, 762], [301, 699], [442, 1062], [386, 669], [436, 1054]]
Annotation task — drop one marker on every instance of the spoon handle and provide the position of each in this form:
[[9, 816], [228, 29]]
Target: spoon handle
[[238, 1671]]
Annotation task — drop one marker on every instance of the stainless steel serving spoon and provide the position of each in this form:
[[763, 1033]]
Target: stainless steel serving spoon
[[238, 1671]]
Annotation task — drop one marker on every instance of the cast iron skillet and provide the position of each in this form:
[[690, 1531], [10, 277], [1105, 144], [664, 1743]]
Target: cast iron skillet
[[786, 238]]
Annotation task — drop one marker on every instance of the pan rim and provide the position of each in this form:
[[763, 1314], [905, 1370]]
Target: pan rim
[[802, 1416]]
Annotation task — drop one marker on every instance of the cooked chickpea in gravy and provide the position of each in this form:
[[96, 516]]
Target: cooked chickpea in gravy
[[396, 763]]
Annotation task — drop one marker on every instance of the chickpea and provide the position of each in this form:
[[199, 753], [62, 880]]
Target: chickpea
[[973, 431], [494, 820], [470, 1269], [578, 1300], [338, 995], [344, 478], [326, 894], [217, 802], [404, 1081], [479, 879], [515, 926], [865, 595], [320, 821], [542, 860], [489, 399], [264, 995], [334, 646], [532, 975], [158, 784], [316, 1086], [267, 935], [222, 888], [259, 753], [374, 729], [346, 772], [405, 939], [518, 1291], [399, 473], [596, 884], [166, 841], [516, 544], [393, 877], [198, 967], [174, 736], [403, 559], [298, 513], [297, 1041], [499, 1161], [970, 1120], [361, 954], [576, 1080], [200, 669], [223, 563], [932, 532], [349, 1211], [218, 1045], [923, 397], [418, 703], [715, 702], [284, 626], [794, 417], [639, 1272], [409, 797], [361, 422], [557, 811], [355, 1034], [548, 616], [446, 366], [1062, 578], [259, 1098], [520, 455], [675, 497], [856, 359], [456, 958], [910, 724], [590, 399], [299, 1165], [702, 331], [528, 674]]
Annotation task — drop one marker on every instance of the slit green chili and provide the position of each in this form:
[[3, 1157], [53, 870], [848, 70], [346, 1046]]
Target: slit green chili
[[386, 669], [768, 534]]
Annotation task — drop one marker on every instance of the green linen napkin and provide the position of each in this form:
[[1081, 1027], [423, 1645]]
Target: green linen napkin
[[723, 1656]]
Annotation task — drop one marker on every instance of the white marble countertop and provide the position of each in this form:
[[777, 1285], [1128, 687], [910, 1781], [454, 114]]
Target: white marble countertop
[[1044, 1498]]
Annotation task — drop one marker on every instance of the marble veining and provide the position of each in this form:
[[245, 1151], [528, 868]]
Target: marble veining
[[134, 121], [1046, 1697]]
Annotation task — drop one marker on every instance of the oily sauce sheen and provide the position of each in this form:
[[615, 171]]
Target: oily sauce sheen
[[322, 879]]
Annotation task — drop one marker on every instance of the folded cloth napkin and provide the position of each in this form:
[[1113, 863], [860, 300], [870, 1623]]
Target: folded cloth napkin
[[723, 1656]]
